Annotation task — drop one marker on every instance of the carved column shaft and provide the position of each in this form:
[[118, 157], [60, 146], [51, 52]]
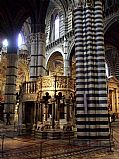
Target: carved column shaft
[[53, 114], [41, 112]]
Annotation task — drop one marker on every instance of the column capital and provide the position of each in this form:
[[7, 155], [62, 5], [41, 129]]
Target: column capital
[[32, 38], [41, 36], [36, 37], [81, 3], [78, 3], [90, 2]]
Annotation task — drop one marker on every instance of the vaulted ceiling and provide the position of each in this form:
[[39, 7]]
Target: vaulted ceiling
[[14, 13]]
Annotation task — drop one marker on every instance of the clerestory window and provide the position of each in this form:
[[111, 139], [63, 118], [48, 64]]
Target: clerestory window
[[57, 27], [107, 70], [54, 27]]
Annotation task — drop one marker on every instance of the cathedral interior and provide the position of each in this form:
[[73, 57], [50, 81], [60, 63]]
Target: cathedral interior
[[59, 65]]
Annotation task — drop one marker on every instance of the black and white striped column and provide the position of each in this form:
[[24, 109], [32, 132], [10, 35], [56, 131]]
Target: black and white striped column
[[11, 76], [102, 111], [37, 62], [91, 92], [79, 53]]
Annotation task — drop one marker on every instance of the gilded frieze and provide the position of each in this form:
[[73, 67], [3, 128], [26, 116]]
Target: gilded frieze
[[47, 82], [61, 82], [50, 84]]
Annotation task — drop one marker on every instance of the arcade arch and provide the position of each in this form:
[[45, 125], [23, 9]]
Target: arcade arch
[[111, 38], [55, 64]]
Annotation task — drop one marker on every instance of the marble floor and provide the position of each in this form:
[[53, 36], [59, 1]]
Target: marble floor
[[27, 147]]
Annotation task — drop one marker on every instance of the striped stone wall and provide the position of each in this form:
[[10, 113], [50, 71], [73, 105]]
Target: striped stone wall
[[117, 70], [91, 92], [69, 20]]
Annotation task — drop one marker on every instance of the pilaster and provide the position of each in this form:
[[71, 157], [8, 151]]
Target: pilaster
[[66, 61]]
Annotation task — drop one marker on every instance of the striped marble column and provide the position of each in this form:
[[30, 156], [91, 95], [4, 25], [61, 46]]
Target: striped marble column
[[37, 55], [79, 53], [11, 76], [91, 93], [102, 112]]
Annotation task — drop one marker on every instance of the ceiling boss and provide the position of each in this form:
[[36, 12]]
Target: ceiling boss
[[90, 2]]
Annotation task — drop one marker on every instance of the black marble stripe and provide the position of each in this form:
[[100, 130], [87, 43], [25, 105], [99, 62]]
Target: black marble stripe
[[10, 93], [11, 75], [92, 122], [11, 84], [92, 95], [34, 76], [12, 67], [93, 130], [92, 115]]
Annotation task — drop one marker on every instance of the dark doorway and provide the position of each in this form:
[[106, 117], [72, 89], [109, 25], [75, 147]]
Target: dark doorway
[[29, 115], [1, 111]]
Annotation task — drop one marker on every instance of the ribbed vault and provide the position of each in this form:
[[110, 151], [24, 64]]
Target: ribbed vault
[[14, 13]]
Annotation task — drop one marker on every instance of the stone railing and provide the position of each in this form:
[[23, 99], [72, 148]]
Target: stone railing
[[52, 84], [29, 91]]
